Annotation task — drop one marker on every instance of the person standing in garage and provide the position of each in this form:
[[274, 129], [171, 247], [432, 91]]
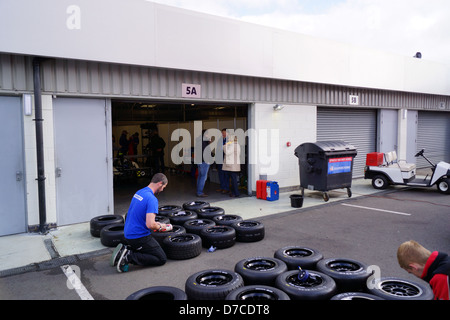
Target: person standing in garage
[[232, 165], [142, 248], [203, 167]]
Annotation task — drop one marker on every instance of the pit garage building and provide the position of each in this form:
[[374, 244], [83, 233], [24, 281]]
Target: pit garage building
[[73, 74]]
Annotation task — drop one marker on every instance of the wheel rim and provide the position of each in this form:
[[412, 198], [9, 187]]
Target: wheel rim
[[198, 223], [379, 183], [248, 224], [400, 288], [182, 238], [344, 266], [227, 218], [217, 230], [443, 186], [260, 265], [298, 252], [313, 280], [257, 294], [215, 278], [182, 214]]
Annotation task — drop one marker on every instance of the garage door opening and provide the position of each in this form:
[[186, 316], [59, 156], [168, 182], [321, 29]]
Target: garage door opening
[[147, 127]]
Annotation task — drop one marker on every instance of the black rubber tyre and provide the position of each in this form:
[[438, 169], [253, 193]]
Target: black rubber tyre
[[443, 185], [212, 284], [358, 296], [249, 231], [227, 219], [158, 293], [209, 212], [297, 256], [195, 205], [349, 275], [182, 247], [165, 210], [97, 223], [160, 236], [162, 219], [260, 270], [220, 237], [180, 217], [319, 286], [256, 292], [380, 182], [195, 226], [391, 288], [112, 235]]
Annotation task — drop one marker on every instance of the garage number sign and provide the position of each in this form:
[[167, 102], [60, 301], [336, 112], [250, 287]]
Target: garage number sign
[[191, 90], [340, 165]]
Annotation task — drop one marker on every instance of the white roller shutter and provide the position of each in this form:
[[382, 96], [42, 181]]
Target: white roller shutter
[[433, 135], [355, 126]]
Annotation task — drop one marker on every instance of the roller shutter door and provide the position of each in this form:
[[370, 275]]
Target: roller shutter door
[[357, 127], [433, 135]]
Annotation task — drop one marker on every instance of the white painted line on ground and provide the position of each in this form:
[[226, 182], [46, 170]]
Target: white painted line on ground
[[375, 209], [74, 282]]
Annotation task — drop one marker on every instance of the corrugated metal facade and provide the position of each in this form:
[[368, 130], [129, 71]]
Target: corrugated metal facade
[[73, 77]]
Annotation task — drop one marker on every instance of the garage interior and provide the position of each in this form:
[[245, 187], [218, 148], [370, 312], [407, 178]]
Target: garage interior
[[134, 171]]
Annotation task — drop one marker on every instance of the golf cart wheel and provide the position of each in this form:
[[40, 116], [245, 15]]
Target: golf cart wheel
[[257, 292], [212, 284], [391, 288], [443, 186], [297, 256], [318, 286], [380, 182]]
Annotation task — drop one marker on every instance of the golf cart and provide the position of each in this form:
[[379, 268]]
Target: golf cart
[[397, 172]]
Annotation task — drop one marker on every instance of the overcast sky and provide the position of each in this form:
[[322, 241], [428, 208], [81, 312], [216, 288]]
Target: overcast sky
[[398, 26]]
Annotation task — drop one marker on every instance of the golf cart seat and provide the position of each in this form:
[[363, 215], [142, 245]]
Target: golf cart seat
[[391, 160]]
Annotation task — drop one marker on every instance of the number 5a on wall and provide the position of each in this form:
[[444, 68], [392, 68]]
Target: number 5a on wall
[[191, 90]]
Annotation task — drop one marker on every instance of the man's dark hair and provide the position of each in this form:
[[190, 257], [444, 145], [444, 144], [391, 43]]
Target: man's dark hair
[[160, 177]]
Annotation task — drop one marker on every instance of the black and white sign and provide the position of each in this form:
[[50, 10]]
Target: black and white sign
[[191, 90]]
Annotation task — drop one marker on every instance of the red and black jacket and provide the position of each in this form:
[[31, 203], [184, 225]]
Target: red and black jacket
[[437, 274]]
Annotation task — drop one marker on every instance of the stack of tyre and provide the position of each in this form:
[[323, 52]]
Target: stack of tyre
[[278, 278], [109, 228]]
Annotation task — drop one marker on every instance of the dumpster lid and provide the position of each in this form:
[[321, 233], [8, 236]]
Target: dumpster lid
[[324, 146]]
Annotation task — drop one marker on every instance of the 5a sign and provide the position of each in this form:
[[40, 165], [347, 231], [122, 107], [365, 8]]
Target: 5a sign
[[191, 90]]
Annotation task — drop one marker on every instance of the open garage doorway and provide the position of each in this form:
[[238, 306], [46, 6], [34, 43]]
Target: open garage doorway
[[147, 127]]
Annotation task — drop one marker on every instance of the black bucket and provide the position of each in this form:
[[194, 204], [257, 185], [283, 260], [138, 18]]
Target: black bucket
[[296, 200]]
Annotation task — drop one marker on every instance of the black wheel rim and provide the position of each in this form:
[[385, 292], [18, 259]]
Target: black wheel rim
[[257, 294], [197, 223], [165, 208], [248, 224], [217, 230], [182, 238], [344, 266], [214, 279], [182, 214], [260, 265], [400, 288], [298, 252], [226, 218], [313, 280]]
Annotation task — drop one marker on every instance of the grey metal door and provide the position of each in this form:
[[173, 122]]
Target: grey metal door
[[81, 159], [12, 185]]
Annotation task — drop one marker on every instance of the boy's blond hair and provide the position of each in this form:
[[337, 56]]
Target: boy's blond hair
[[412, 252]]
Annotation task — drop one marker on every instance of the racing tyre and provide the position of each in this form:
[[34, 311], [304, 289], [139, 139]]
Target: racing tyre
[[162, 219], [220, 237], [227, 219], [318, 286], [256, 292], [391, 288], [195, 205], [195, 226], [112, 235], [249, 231], [260, 270], [209, 212], [212, 284], [380, 182], [359, 296], [182, 247], [443, 186], [296, 256], [349, 275], [165, 210], [97, 223], [160, 236], [180, 217], [158, 293]]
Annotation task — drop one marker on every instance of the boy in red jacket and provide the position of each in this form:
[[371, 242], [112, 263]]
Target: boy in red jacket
[[433, 267]]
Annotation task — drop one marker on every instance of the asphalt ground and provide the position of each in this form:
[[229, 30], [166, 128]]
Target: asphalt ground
[[368, 229]]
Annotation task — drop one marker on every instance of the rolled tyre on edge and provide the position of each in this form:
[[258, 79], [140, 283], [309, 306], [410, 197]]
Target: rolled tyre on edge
[[213, 284]]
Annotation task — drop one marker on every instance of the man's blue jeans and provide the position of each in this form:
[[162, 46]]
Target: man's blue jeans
[[202, 175]]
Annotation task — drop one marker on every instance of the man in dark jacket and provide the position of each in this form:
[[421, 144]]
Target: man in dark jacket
[[433, 267]]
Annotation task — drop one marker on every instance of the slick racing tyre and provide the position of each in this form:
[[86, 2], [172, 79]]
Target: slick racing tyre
[[318, 286], [227, 219], [197, 225], [257, 292], [297, 256], [180, 217], [220, 237], [391, 288], [209, 212], [195, 205], [112, 235], [160, 236], [249, 231], [358, 296], [349, 275], [260, 270], [212, 284], [162, 219], [182, 247], [165, 210], [158, 293], [97, 223]]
